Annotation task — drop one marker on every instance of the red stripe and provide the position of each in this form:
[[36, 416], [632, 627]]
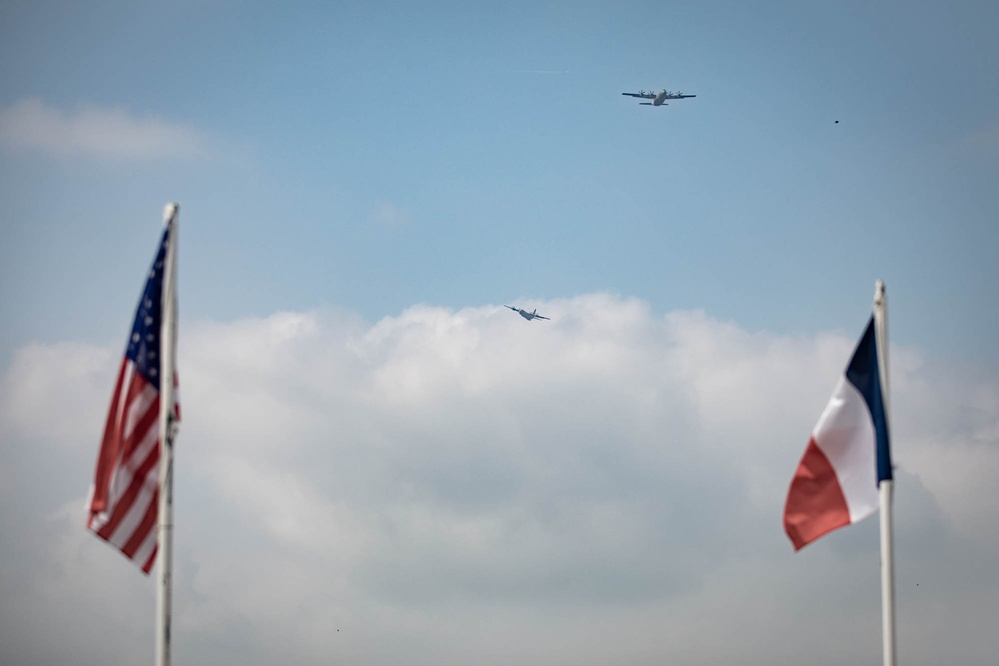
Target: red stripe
[[125, 502], [148, 421], [148, 565], [118, 451], [143, 529], [142, 424], [127, 448], [110, 445], [815, 502]]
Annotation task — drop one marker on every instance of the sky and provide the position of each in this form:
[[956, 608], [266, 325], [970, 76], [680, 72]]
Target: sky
[[379, 463]]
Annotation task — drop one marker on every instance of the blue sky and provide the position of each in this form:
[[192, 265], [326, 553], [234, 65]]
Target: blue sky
[[511, 165], [353, 174]]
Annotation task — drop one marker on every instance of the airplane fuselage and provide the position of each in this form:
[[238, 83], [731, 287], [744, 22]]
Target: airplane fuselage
[[525, 314]]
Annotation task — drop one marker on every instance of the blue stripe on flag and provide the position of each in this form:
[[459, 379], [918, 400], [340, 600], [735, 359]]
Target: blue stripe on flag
[[863, 374]]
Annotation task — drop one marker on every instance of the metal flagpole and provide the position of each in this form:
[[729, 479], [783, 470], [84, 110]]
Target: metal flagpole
[[886, 487], [164, 528]]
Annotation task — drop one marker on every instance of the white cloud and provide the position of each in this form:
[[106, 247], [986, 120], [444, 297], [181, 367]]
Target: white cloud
[[72, 378], [389, 216], [446, 487], [97, 131]]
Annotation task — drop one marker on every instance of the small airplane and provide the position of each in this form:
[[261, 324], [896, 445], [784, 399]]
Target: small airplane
[[659, 98], [525, 314]]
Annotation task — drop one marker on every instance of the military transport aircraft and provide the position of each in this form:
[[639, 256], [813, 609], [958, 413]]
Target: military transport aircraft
[[658, 99], [525, 314]]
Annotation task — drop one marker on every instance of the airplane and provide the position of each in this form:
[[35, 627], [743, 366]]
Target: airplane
[[658, 99], [527, 315]]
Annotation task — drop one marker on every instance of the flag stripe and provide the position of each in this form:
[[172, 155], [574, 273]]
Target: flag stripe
[[814, 492], [845, 433], [147, 565], [864, 374], [129, 514], [132, 484], [108, 456], [124, 442], [143, 412], [145, 527]]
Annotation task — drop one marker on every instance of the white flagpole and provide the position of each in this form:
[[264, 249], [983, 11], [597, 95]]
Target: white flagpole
[[164, 528], [886, 487]]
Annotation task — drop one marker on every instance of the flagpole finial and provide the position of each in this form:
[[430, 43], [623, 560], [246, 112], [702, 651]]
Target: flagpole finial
[[879, 292], [169, 211]]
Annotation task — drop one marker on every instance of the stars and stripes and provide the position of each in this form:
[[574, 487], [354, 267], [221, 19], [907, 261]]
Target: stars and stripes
[[125, 492]]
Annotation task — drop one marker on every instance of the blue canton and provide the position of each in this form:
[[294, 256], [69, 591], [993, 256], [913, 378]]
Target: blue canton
[[144, 344]]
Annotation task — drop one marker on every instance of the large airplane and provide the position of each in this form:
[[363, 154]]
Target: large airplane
[[525, 314], [659, 98]]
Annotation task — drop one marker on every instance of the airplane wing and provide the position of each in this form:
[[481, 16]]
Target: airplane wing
[[643, 95], [540, 317], [678, 96]]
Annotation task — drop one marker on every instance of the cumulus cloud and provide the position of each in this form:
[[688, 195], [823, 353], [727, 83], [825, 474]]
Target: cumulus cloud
[[96, 131], [452, 486]]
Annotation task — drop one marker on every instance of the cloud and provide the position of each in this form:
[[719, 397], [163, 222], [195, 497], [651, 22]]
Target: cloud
[[389, 216], [445, 486], [95, 131], [65, 374]]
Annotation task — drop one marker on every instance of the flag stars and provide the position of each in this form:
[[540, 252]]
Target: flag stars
[[144, 344]]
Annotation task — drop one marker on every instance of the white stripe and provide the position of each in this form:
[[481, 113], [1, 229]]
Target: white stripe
[[124, 473], [845, 433], [125, 470], [98, 520], [130, 523], [140, 405], [126, 383], [147, 547]]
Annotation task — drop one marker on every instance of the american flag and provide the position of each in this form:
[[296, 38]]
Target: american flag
[[125, 493]]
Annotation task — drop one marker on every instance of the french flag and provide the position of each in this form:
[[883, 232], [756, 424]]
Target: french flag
[[847, 457]]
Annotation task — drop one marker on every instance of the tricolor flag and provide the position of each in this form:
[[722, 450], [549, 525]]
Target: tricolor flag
[[847, 457], [125, 493]]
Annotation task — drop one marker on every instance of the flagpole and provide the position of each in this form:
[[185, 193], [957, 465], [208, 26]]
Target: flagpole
[[885, 487], [164, 528]]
